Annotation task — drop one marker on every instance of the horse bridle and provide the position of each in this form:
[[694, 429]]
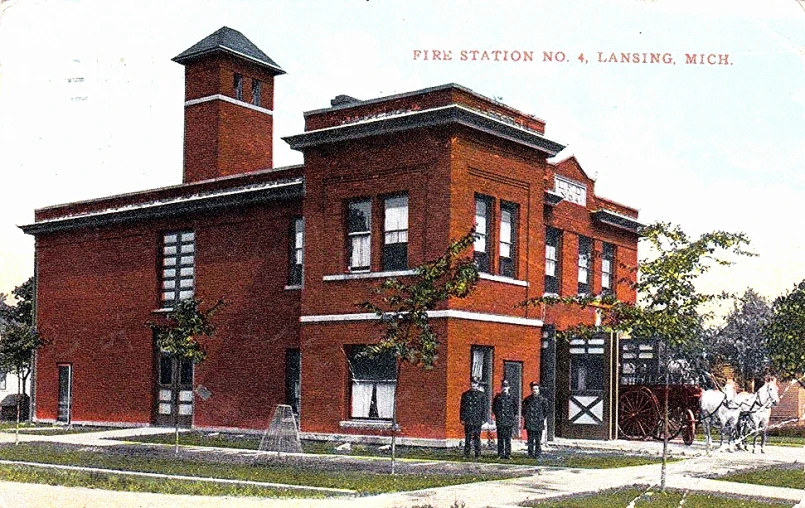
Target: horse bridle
[[761, 405]]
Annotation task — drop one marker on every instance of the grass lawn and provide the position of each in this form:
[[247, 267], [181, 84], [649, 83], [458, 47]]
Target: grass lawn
[[555, 458], [93, 480], [791, 477], [370, 478], [671, 499]]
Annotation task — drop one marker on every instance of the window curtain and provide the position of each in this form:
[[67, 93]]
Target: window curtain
[[385, 400], [361, 251], [478, 364], [361, 399], [396, 220]]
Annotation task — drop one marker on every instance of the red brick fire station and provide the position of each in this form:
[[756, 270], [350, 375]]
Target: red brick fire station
[[386, 183]]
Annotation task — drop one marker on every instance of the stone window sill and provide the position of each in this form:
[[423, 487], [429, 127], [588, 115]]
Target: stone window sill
[[367, 425]]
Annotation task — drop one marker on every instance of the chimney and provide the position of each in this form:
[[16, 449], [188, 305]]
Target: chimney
[[228, 108]]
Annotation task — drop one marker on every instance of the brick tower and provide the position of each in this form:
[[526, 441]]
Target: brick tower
[[229, 102]]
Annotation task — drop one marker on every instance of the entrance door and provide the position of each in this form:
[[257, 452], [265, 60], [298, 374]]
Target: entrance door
[[175, 392], [65, 393], [293, 380], [513, 372]]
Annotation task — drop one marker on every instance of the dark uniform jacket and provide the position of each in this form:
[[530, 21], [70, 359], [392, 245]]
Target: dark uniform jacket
[[473, 407], [505, 408], [535, 409]]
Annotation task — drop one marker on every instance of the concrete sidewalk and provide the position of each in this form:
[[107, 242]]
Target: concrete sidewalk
[[543, 483]]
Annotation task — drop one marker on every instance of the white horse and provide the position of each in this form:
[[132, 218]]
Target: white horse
[[756, 409], [718, 408]]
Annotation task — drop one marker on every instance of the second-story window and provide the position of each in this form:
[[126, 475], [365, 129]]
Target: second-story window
[[178, 266], [297, 252], [482, 223], [395, 241], [508, 235], [607, 268], [585, 264], [359, 233], [552, 249], [256, 92], [237, 85]]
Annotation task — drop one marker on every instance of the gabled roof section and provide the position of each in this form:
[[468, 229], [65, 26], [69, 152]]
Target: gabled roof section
[[572, 163], [227, 40]]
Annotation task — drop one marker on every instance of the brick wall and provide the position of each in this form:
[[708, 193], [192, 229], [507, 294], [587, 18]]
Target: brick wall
[[222, 138], [99, 287]]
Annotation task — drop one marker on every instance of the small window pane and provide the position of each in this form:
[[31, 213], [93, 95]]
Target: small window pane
[[165, 370], [186, 283], [360, 213], [361, 254], [170, 238], [187, 260], [396, 217], [168, 284], [188, 237], [186, 378], [186, 271], [188, 247], [169, 249], [168, 295], [171, 261], [184, 295]]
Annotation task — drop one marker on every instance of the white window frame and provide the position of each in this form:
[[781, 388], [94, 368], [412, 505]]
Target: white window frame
[[607, 267], [360, 241], [256, 88], [178, 275], [585, 264], [395, 225], [483, 228], [297, 251], [508, 239], [362, 390], [552, 266]]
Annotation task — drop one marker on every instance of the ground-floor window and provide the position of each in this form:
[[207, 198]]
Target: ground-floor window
[[293, 379], [373, 380], [65, 393], [481, 370]]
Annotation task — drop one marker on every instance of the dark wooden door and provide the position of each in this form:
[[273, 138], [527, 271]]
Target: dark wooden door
[[174, 392]]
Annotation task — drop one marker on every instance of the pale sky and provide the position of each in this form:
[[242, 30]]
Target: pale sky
[[91, 104]]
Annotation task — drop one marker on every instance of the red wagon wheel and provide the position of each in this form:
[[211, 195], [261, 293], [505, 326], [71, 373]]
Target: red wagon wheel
[[639, 413], [689, 430], [677, 419]]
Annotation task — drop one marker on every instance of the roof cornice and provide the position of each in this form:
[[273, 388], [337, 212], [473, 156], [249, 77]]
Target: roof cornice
[[617, 220], [453, 114], [192, 203]]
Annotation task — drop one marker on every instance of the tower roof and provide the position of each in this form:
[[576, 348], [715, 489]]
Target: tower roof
[[230, 41]]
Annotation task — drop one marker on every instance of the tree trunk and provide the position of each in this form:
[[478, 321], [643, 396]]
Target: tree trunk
[[394, 420], [19, 396], [176, 435], [664, 469]]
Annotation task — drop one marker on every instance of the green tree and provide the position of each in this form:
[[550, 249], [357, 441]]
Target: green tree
[[178, 335], [741, 342], [786, 333], [669, 307], [18, 341], [404, 305]]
